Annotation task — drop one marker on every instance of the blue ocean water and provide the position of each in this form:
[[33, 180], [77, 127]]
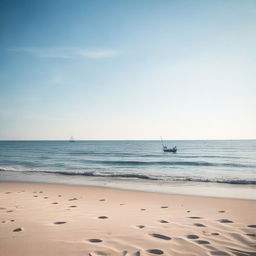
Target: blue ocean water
[[231, 162]]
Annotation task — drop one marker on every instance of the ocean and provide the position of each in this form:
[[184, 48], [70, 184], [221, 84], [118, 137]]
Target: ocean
[[199, 167]]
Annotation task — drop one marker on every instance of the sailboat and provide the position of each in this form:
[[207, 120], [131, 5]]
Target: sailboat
[[71, 139], [166, 149]]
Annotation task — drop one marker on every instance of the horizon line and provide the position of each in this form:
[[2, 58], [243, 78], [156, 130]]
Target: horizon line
[[76, 140]]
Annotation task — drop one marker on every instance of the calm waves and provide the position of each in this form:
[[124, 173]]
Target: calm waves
[[232, 162]]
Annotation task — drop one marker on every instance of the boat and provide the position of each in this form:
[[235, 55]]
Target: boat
[[166, 149], [173, 150], [71, 139]]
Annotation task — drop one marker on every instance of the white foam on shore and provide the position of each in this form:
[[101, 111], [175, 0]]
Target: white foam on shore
[[244, 191]]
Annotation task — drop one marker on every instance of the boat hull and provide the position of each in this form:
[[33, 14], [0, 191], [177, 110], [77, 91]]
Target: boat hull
[[170, 150]]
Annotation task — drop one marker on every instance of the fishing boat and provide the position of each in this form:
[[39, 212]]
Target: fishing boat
[[166, 149]]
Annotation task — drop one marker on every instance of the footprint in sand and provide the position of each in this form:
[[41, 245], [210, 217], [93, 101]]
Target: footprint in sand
[[161, 236], [72, 206], [102, 200], [102, 217], [55, 203], [72, 199], [199, 225], [202, 242], [195, 217], [45, 197], [188, 211], [101, 253], [41, 192], [3, 221], [163, 221], [122, 204], [143, 209], [155, 251], [136, 253], [10, 211], [164, 207], [221, 211], [95, 240], [192, 236], [225, 221], [252, 235], [8, 192], [219, 253], [1, 208], [12, 220], [140, 226], [35, 196], [17, 230], [214, 234], [251, 226], [59, 222]]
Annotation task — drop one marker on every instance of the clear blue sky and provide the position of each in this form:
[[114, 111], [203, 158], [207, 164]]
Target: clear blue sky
[[127, 69]]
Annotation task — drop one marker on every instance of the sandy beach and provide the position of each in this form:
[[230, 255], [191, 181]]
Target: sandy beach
[[49, 219]]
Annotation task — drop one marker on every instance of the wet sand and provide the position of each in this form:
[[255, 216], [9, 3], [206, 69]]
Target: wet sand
[[48, 219]]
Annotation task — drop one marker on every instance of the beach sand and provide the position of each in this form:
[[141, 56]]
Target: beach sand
[[47, 219]]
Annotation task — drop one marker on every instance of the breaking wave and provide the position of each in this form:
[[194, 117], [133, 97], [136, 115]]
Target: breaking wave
[[138, 176]]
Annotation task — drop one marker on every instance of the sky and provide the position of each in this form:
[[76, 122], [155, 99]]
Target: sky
[[114, 70]]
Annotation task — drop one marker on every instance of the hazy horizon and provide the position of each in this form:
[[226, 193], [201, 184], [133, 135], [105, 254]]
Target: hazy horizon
[[77, 140], [127, 70]]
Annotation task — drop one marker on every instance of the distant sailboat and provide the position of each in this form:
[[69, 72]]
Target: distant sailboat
[[71, 139], [166, 149]]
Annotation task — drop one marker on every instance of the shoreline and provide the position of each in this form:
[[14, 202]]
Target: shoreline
[[56, 219], [208, 189], [129, 189]]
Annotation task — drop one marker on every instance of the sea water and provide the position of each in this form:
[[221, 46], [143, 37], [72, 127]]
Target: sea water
[[199, 167]]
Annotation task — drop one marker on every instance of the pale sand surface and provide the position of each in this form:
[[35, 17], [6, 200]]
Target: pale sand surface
[[136, 222]]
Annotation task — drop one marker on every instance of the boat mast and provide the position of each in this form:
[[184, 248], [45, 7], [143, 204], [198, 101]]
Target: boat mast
[[162, 141]]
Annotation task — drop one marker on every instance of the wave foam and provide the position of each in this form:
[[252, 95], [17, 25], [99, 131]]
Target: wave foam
[[138, 176]]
